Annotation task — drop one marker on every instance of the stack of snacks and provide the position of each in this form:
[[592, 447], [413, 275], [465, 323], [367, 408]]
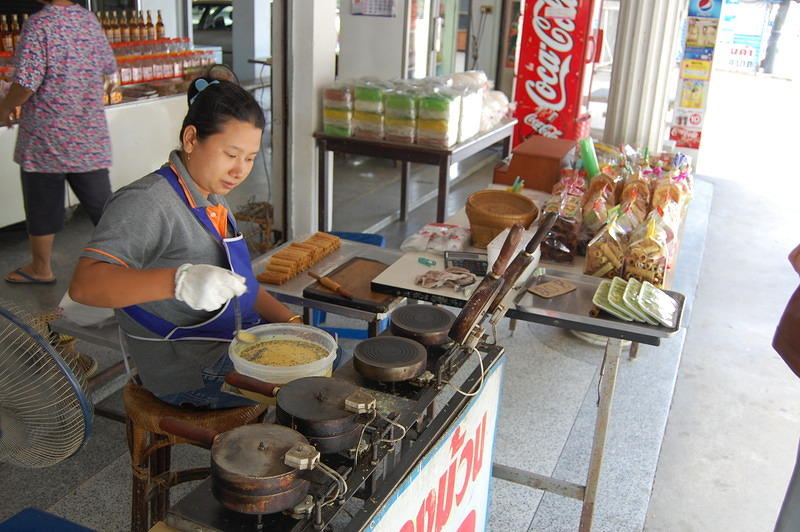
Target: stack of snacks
[[647, 257], [439, 114], [368, 118], [634, 301], [297, 257], [400, 111], [337, 110], [471, 108]]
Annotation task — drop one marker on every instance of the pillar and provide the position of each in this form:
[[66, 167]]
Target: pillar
[[644, 56], [251, 36]]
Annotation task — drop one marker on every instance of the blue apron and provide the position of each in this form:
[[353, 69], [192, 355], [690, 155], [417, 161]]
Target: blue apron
[[221, 326]]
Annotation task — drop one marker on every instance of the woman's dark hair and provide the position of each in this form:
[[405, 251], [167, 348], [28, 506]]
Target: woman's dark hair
[[213, 102]]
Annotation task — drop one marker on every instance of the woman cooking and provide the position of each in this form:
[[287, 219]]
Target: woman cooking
[[167, 256]]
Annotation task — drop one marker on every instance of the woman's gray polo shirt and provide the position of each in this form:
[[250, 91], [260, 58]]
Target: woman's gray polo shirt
[[146, 225]]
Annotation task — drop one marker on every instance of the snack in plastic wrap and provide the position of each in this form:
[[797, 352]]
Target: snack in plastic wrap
[[439, 113], [561, 242], [400, 111], [571, 181], [496, 108], [600, 299], [337, 110], [631, 299], [616, 299], [646, 258], [471, 109], [338, 96], [369, 95], [666, 190], [605, 253], [595, 211], [658, 305], [368, 125]]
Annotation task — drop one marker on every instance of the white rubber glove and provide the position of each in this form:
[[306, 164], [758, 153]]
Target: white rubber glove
[[206, 287]]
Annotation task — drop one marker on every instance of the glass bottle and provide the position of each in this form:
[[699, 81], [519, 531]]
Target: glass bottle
[[6, 38], [16, 33], [133, 27], [107, 27], [124, 27], [142, 27], [115, 27], [161, 31], [151, 29]]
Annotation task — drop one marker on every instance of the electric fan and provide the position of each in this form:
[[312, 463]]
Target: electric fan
[[45, 412]]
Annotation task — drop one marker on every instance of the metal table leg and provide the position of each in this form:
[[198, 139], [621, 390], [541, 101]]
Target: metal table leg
[[634, 352], [323, 183], [404, 179], [444, 189], [608, 380]]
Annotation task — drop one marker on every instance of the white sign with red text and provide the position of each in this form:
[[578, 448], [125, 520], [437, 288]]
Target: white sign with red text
[[449, 490]]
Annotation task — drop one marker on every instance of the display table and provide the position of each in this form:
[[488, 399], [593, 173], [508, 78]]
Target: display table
[[406, 154]]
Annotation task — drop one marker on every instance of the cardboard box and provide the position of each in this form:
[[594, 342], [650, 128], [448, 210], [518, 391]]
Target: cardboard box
[[538, 160]]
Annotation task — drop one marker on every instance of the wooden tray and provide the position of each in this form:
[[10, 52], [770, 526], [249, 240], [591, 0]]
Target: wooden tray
[[355, 275]]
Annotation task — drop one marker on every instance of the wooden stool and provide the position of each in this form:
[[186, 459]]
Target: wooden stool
[[150, 449]]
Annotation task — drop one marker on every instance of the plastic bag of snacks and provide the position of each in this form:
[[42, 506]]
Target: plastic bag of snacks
[[437, 238], [561, 243], [646, 258], [595, 209], [338, 96], [471, 109], [400, 112], [572, 182], [369, 95], [496, 107], [605, 253], [439, 112]]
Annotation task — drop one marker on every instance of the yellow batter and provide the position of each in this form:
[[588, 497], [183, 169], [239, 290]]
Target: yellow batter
[[284, 352]]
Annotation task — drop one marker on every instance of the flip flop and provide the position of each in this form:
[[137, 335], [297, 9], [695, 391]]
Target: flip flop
[[27, 279]]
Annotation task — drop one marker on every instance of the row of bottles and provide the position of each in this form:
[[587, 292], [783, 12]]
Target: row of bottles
[[131, 28], [10, 33]]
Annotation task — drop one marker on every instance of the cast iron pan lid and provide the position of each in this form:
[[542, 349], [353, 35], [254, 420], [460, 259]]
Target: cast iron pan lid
[[390, 358], [315, 399], [255, 451], [423, 319]]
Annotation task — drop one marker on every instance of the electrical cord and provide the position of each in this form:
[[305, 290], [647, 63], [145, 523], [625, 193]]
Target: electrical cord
[[476, 39], [396, 424], [361, 437], [480, 384]]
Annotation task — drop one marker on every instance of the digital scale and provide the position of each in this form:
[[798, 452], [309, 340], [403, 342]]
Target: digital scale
[[476, 263]]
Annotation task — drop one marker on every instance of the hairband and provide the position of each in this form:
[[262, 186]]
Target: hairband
[[200, 84]]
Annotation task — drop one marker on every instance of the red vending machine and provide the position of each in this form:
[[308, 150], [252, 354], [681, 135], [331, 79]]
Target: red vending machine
[[560, 44]]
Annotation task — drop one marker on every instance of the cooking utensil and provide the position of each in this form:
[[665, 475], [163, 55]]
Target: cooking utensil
[[248, 473], [426, 324], [243, 336], [314, 406], [475, 308], [390, 358], [520, 263], [329, 283]]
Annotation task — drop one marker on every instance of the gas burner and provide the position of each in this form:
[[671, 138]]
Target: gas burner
[[427, 324], [390, 358]]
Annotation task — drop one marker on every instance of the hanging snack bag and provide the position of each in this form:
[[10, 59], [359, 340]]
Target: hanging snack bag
[[646, 258]]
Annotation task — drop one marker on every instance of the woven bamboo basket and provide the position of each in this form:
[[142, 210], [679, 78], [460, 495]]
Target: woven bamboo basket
[[491, 211]]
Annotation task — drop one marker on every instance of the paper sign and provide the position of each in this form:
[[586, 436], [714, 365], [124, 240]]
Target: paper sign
[[552, 289]]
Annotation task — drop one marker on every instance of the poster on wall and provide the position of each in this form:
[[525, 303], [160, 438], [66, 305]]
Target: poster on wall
[[374, 8], [702, 26]]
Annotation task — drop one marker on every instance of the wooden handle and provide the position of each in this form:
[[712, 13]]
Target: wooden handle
[[329, 283], [251, 384], [187, 430], [507, 251], [522, 260]]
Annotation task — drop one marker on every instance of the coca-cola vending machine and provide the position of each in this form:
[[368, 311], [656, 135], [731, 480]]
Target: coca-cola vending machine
[[560, 44]]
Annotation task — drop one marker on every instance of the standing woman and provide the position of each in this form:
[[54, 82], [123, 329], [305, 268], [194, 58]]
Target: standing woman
[[60, 62], [168, 257]]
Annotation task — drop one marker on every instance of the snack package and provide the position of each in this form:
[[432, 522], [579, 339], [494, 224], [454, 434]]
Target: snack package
[[337, 110], [368, 125], [439, 112], [338, 96], [561, 243], [646, 258], [471, 109], [369, 95], [571, 181], [595, 211], [400, 114], [496, 107], [605, 253], [438, 238]]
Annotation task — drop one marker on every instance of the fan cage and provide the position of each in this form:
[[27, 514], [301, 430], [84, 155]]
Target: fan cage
[[45, 411]]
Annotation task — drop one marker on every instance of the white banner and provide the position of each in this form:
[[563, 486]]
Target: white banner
[[449, 489]]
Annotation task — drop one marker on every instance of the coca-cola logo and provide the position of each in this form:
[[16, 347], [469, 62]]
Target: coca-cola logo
[[547, 87]]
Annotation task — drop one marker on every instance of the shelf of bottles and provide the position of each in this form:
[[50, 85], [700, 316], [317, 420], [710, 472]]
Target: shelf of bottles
[[144, 53], [10, 31]]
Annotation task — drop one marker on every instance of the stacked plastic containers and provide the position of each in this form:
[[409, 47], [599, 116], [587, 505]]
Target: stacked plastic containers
[[400, 112], [337, 110], [368, 116], [439, 112]]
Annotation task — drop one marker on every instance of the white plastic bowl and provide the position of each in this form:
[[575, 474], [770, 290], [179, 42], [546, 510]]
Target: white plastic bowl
[[284, 374]]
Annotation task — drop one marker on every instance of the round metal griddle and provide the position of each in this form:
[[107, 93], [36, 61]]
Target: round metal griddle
[[426, 324], [390, 358], [315, 406]]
